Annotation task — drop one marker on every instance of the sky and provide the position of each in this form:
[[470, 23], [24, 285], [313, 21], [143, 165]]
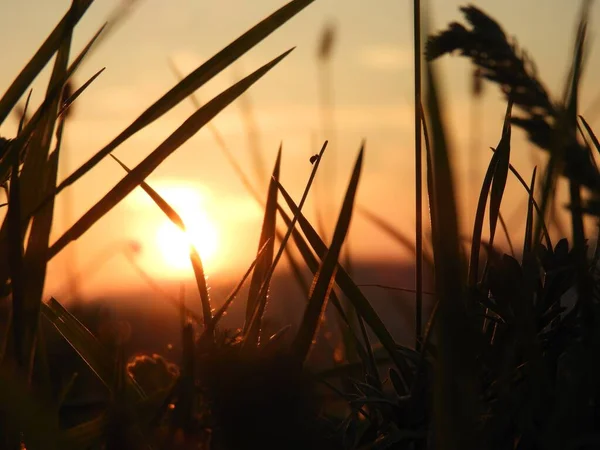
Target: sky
[[371, 72]]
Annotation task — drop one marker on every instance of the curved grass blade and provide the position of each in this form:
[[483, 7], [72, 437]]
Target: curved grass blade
[[231, 297], [38, 177], [313, 265], [24, 137], [298, 276], [152, 161], [324, 280], [24, 115], [257, 297], [430, 180], [535, 205], [86, 345], [591, 134], [194, 81], [69, 101], [267, 278], [36, 259], [350, 289], [455, 370], [15, 263], [528, 239], [479, 218], [500, 172], [195, 258], [42, 56]]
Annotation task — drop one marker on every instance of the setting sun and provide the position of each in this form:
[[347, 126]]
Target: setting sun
[[169, 250], [173, 243]]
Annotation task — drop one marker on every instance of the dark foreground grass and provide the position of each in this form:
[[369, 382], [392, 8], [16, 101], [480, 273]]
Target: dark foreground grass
[[503, 362]]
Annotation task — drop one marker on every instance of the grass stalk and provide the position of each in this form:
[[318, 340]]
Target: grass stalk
[[418, 177]]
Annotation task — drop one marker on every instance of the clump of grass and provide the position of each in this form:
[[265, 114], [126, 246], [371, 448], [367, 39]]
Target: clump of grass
[[501, 363]]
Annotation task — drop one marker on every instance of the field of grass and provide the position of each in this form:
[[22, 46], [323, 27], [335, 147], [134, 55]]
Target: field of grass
[[507, 359]]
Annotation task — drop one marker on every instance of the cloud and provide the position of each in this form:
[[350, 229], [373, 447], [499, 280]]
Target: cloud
[[385, 57]]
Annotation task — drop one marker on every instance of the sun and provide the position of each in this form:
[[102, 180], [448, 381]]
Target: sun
[[173, 244]]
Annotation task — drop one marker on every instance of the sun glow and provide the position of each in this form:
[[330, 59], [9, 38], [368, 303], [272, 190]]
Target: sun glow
[[171, 243], [174, 244]]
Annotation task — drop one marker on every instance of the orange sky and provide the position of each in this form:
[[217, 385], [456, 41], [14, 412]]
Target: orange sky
[[372, 73]]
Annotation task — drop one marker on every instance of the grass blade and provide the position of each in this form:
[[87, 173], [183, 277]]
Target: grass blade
[[500, 172], [15, 263], [350, 289], [147, 166], [298, 275], [194, 81], [455, 371], [535, 205], [26, 133], [292, 225], [417, 54], [257, 297], [24, 115], [498, 167], [69, 101], [231, 297], [591, 134], [194, 255], [86, 345], [528, 240], [323, 281], [41, 57]]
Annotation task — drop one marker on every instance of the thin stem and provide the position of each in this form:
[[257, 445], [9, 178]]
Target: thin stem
[[418, 177]]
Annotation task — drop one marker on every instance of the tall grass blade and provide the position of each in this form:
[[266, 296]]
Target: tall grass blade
[[493, 186], [36, 258], [455, 371], [500, 172], [591, 134], [257, 297], [231, 297], [195, 258], [479, 219], [324, 280], [149, 164], [24, 119], [194, 81], [417, 52], [86, 345], [42, 56], [313, 265], [15, 264], [528, 239], [537, 207], [26, 133], [349, 288], [248, 185], [69, 101], [584, 281], [430, 181], [271, 270]]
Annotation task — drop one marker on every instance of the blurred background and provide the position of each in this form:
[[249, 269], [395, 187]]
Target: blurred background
[[350, 78]]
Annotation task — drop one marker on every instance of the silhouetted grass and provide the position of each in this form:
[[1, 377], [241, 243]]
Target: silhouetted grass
[[501, 364]]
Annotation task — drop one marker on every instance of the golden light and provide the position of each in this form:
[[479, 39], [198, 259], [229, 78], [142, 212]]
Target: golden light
[[172, 245]]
